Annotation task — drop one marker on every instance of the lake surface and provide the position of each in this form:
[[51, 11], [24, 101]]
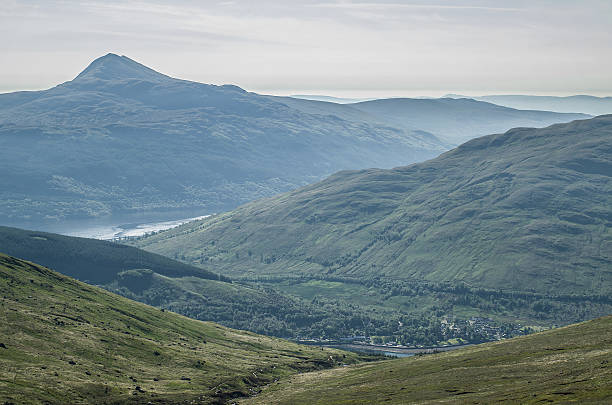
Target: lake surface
[[393, 351], [394, 354], [108, 232]]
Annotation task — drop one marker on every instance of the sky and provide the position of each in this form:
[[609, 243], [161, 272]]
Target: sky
[[344, 48]]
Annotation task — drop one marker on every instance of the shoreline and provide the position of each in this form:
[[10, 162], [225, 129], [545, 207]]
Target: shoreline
[[388, 350]]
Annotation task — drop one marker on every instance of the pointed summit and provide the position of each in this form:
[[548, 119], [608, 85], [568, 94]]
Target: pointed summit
[[112, 67]]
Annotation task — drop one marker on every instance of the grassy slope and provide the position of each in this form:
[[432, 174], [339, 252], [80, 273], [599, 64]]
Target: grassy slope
[[570, 364], [526, 210], [90, 260], [50, 321]]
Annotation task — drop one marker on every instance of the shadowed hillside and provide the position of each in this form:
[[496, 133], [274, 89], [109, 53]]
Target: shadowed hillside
[[91, 260]]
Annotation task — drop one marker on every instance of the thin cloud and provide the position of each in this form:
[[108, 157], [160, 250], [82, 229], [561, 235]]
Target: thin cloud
[[313, 45], [351, 5]]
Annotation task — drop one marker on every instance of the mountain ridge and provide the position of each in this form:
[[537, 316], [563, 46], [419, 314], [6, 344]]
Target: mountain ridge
[[460, 122], [90, 260], [127, 147]]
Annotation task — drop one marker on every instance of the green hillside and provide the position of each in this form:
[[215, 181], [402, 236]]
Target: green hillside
[[529, 210], [566, 365], [63, 341], [90, 260]]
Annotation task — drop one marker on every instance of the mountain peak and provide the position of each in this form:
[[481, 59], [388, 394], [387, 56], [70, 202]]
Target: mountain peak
[[114, 67]]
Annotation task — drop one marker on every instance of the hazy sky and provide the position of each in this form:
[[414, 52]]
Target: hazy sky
[[344, 48]]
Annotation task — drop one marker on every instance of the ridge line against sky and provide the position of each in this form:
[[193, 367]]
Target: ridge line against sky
[[341, 48]]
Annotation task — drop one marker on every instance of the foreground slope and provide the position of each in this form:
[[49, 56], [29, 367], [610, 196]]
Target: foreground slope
[[527, 210], [63, 341], [566, 365]]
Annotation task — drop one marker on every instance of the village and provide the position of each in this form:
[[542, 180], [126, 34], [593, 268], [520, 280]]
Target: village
[[458, 333]]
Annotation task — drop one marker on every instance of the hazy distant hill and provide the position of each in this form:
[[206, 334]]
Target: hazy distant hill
[[454, 120], [458, 120], [527, 210], [576, 104], [123, 139], [65, 342]]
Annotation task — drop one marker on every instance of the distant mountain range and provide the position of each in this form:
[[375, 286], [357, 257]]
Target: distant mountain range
[[122, 140], [577, 104], [529, 210]]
